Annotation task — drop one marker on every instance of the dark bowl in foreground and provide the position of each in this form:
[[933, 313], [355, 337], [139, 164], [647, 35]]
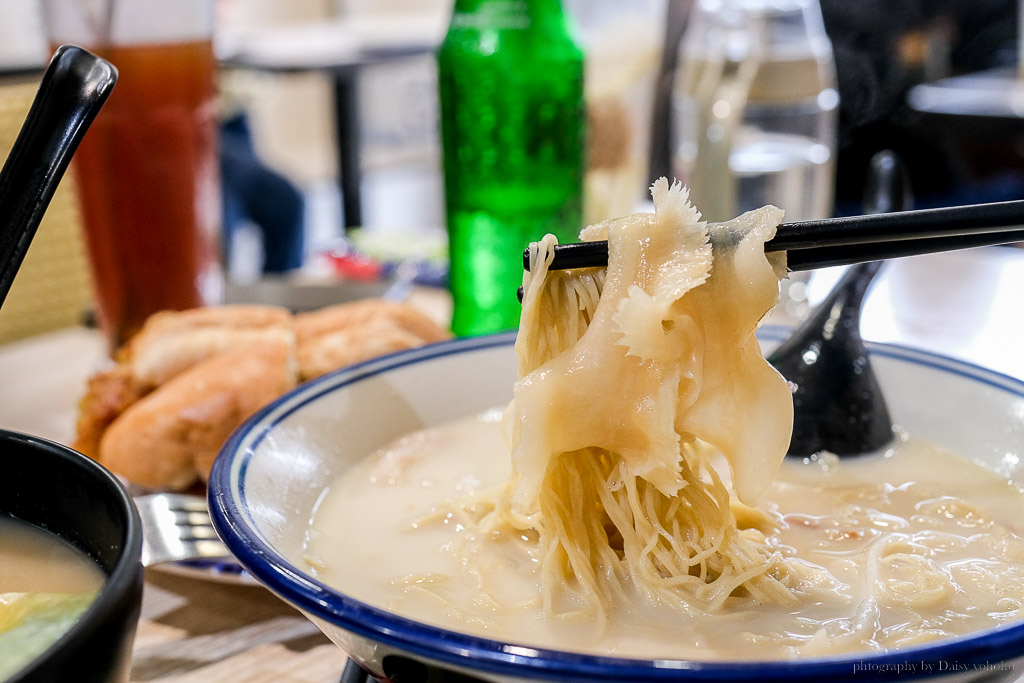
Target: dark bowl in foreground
[[62, 491]]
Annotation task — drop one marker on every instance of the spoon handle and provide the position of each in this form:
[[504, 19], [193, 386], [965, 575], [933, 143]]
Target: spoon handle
[[73, 89]]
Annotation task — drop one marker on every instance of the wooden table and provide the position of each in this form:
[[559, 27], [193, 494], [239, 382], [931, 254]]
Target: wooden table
[[202, 632]]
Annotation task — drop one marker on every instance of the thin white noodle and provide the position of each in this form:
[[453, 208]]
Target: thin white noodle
[[606, 533]]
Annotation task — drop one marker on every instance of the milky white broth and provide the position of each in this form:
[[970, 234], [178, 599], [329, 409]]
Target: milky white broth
[[32, 560], [895, 549], [45, 586]]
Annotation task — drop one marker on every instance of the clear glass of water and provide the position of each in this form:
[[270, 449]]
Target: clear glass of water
[[754, 114], [755, 107]]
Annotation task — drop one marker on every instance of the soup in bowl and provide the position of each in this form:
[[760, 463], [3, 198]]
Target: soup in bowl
[[292, 497], [70, 568]]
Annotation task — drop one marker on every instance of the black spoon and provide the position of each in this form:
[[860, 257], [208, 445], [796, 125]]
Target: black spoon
[[837, 401], [74, 87]]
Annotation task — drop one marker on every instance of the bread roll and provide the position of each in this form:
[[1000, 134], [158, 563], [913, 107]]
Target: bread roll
[[108, 394], [341, 335], [160, 415], [170, 437], [171, 342]]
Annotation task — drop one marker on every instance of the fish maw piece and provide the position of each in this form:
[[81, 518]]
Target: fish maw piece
[[611, 390], [745, 408]]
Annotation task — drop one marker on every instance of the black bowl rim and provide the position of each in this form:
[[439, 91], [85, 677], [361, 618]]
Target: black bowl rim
[[977, 649], [127, 572]]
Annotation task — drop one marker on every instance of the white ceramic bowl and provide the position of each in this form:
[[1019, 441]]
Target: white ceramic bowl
[[271, 473]]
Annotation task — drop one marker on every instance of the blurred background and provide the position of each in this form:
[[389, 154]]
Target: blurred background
[[333, 106]]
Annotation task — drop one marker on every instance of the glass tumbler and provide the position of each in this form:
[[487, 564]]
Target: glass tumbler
[[755, 108], [147, 169]]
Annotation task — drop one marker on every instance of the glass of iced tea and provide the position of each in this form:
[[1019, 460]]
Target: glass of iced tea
[[147, 169]]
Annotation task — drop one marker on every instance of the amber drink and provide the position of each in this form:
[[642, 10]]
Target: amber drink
[[147, 169]]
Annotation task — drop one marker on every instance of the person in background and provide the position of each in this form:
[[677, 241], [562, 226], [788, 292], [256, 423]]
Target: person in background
[[882, 49], [254, 193]]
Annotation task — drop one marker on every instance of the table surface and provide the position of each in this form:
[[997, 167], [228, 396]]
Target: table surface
[[965, 304]]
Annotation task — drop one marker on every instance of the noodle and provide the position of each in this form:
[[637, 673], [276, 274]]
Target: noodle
[[631, 382]]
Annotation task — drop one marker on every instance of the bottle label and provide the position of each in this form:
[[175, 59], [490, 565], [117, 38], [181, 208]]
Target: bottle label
[[499, 15]]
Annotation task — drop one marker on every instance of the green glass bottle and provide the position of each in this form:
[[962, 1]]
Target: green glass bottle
[[512, 124]]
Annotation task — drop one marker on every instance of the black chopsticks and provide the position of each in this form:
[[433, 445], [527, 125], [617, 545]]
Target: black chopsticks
[[857, 239]]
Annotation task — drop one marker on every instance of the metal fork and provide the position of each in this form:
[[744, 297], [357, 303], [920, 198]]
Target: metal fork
[[177, 527]]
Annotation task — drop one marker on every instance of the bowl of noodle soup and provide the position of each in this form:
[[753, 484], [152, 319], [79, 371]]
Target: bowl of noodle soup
[[603, 496], [271, 476]]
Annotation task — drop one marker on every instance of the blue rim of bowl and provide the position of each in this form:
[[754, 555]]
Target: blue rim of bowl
[[974, 651]]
